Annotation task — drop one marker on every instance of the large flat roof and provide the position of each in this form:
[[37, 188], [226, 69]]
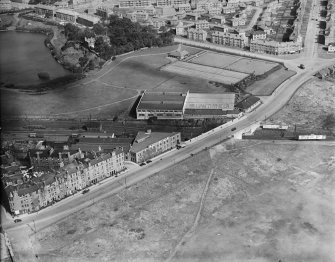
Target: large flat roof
[[162, 101], [210, 101]]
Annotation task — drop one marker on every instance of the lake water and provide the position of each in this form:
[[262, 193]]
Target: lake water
[[23, 56]]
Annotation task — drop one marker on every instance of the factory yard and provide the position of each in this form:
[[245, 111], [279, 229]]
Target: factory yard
[[205, 72], [310, 106], [265, 202], [234, 63]]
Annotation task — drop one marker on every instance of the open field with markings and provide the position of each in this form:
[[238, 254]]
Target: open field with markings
[[234, 63], [205, 72], [239, 201]]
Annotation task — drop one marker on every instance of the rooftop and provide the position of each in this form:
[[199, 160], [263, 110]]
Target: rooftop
[[210, 99], [162, 101], [144, 139], [248, 102]]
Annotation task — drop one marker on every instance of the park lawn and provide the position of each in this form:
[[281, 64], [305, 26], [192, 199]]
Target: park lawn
[[89, 96], [139, 73], [265, 202], [267, 86], [71, 101]]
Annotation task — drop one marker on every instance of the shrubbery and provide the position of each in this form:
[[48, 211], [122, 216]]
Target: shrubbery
[[118, 37]]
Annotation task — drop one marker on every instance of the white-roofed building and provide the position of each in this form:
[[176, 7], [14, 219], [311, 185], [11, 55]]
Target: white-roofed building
[[225, 101]]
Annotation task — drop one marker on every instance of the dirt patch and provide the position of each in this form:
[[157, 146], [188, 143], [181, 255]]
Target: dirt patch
[[139, 224], [256, 209], [310, 106]]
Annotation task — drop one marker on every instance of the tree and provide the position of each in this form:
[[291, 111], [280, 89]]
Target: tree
[[99, 29]]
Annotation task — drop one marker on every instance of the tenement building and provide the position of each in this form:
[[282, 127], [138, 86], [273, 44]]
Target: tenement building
[[275, 48], [150, 144], [134, 3], [229, 39], [197, 34], [30, 192]]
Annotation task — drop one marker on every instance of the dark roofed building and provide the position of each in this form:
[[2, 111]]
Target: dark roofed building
[[161, 105], [106, 145], [249, 104], [50, 159], [150, 144]]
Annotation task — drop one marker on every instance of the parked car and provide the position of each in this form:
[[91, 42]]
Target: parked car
[[142, 164], [17, 220], [149, 161], [86, 191], [301, 66], [233, 129]]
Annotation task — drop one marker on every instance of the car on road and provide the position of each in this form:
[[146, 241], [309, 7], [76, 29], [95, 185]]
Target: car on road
[[233, 129], [86, 191], [142, 164], [301, 66], [149, 161], [17, 220]]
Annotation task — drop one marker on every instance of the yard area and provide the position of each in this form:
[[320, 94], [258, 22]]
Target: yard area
[[264, 202], [265, 87], [234, 63], [310, 106]]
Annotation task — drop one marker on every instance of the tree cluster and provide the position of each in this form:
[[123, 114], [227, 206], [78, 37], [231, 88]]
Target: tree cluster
[[123, 35]]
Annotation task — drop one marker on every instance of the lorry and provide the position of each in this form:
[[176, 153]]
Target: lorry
[[181, 145]]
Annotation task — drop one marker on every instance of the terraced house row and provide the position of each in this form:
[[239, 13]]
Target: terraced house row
[[29, 192]]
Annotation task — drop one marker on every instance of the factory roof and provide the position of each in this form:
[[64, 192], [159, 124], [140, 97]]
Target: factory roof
[[162, 101], [209, 99]]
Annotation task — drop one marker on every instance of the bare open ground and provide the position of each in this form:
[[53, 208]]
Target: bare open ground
[[264, 202], [309, 106]]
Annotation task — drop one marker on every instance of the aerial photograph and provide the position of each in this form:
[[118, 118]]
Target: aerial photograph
[[167, 130]]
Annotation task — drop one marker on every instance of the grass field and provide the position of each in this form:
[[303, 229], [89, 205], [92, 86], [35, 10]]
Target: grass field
[[104, 96], [309, 106], [234, 63], [265, 202], [205, 72], [265, 87]]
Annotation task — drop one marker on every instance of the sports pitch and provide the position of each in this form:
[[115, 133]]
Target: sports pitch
[[205, 72], [234, 63]]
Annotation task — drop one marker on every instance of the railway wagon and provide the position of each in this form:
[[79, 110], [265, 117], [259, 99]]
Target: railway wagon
[[279, 127], [311, 137]]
